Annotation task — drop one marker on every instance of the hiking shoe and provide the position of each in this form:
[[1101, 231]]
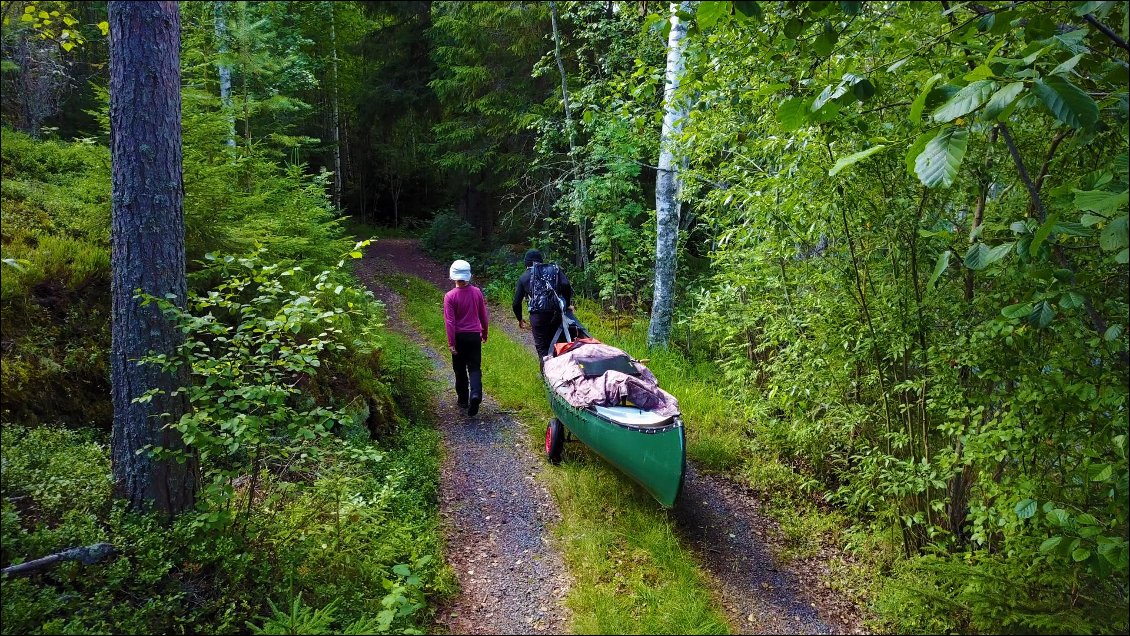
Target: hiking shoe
[[474, 406]]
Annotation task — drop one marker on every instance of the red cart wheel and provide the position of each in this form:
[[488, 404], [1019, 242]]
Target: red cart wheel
[[554, 440]]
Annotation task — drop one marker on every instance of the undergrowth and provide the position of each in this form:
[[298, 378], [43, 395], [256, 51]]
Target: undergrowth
[[329, 532]]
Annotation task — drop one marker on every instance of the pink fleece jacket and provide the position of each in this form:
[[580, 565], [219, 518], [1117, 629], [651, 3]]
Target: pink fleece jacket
[[465, 311]]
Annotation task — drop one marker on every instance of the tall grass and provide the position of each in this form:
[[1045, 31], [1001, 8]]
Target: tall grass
[[631, 575]]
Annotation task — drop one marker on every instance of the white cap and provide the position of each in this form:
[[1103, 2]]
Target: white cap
[[460, 270]]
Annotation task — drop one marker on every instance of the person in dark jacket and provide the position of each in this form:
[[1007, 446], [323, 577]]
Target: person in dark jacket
[[542, 284]]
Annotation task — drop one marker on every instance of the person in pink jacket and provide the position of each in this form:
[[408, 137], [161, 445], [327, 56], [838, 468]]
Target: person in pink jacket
[[466, 318]]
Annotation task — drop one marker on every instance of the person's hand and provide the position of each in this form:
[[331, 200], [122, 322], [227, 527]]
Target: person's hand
[[572, 308], [484, 339], [453, 351], [521, 324]]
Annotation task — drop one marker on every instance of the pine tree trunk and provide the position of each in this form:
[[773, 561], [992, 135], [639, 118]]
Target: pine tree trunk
[[336, 117], [147, 250], [225, 70], [582, 259], [667, 185]]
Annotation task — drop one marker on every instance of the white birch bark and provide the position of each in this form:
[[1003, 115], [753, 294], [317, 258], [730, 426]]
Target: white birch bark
[[225, 70], [668, 183]]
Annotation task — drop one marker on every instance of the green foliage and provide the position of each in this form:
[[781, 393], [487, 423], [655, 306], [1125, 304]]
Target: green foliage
[[56, 211], [251, 345], [449, 237], [900, 327], [301, 515]]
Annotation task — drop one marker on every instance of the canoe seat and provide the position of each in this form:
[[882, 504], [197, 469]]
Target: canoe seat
[[631, 416]]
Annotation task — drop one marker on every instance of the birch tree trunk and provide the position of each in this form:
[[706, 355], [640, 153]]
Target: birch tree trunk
[[668, 184], [225, 70], [147, 252], [336, 116]]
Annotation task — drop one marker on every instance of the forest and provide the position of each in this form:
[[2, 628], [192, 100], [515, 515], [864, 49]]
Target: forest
[[879, 251]]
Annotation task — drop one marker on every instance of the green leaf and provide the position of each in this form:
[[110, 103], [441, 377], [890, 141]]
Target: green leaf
[[976, 256], [844, 162], [940, 159], [1087, 7], [1018, 311], [1080, 554], [1042, 314], [826, 41], [863, 89], [1026, 508], [916, 149], [1123, 257], [1100, 201], [1121, 164], [710, 12], [793, 113], [1112, 333], [828, 94], [939, 267], [1039, 27], [1115, 235], [1002, 99], [1050, 544], [748, 10], [981, 72], [794, 28], [1042, 234], [1066, 67], [850, 8], [1058, 516], [965, 100], [920, 101], [1067, 102], [1102, 472], [401, 570]]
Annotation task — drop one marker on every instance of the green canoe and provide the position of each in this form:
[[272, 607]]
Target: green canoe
[[648, 448]]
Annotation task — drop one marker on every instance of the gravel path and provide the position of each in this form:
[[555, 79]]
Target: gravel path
[[717, 518], [495, 511]]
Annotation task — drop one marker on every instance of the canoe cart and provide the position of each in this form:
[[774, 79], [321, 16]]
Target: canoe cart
[[648, 447]]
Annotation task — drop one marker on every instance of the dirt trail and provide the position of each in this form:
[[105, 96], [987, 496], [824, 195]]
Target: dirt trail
[[717, 518], [495, 512]]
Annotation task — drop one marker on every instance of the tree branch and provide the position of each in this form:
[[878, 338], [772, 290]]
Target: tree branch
[[88, 555], [1048, 159], [1105, 30], [1097, 321]]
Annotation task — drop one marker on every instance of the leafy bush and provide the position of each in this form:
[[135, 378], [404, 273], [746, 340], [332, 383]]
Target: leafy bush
[[297, 501], [449, 237]]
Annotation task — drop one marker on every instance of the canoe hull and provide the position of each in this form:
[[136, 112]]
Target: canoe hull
[[654, 457]]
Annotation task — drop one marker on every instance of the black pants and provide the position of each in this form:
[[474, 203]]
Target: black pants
[[543, 326], [467, 363]]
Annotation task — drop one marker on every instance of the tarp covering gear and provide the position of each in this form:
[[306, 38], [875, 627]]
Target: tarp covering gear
[[566, 375]]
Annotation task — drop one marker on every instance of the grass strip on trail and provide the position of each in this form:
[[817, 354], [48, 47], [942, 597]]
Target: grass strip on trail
[[631, 575]]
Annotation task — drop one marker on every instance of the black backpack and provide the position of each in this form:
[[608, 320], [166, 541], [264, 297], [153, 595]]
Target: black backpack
[[543, 288]]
